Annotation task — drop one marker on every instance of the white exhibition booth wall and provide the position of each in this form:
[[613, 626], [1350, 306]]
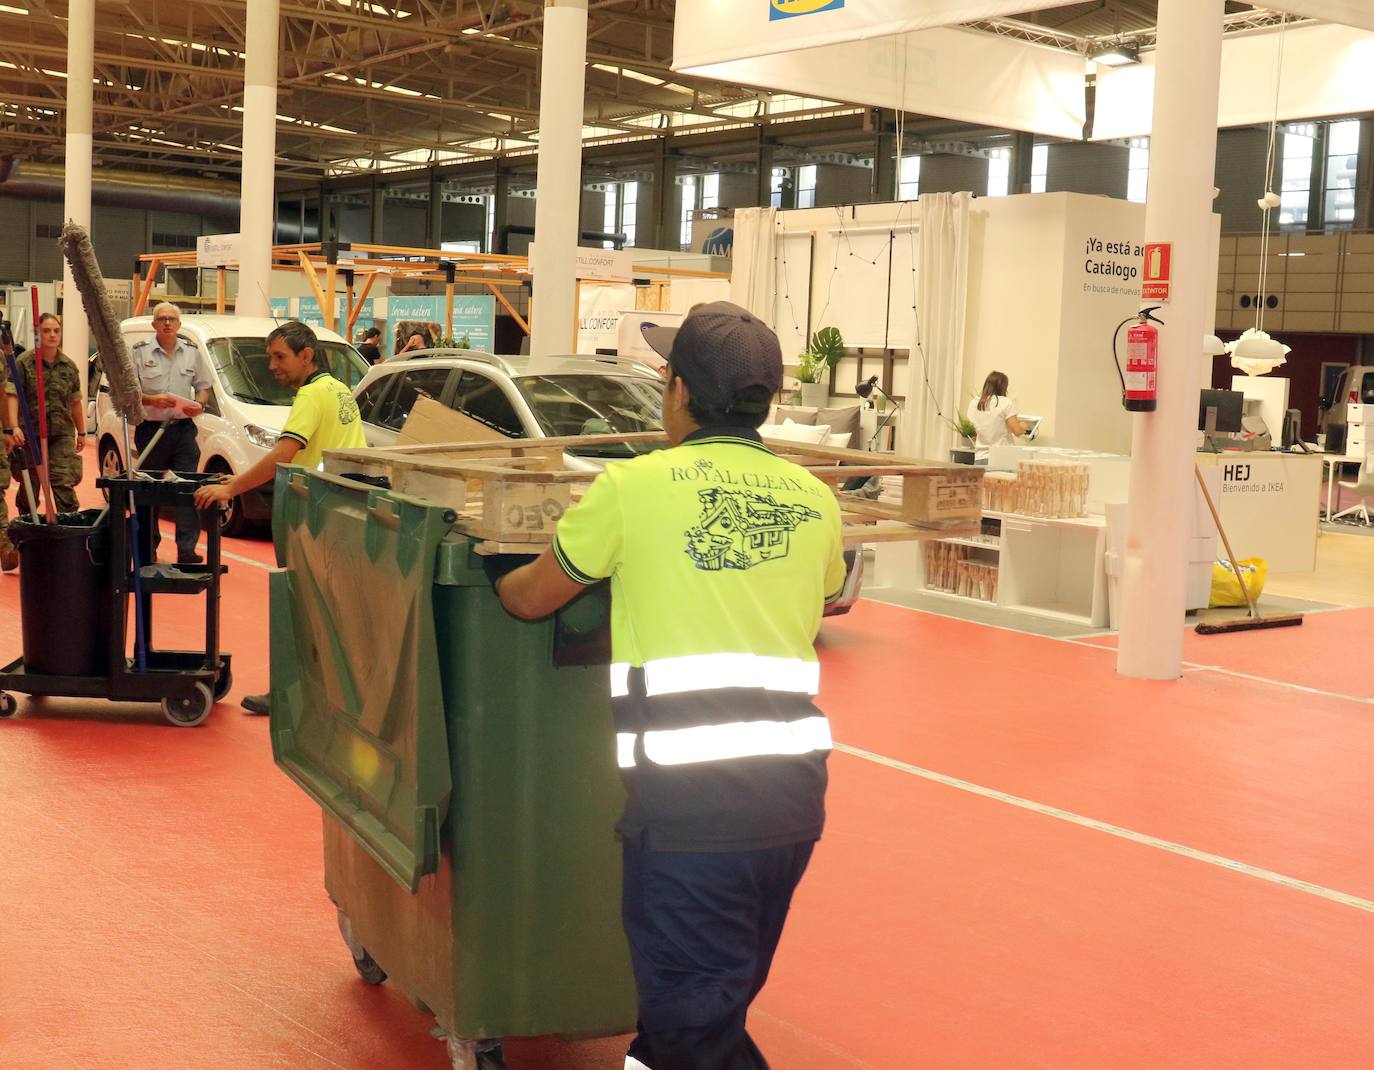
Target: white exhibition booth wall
[[1050, 276]]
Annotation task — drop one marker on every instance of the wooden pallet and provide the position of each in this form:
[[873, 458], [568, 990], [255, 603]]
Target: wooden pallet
[[511, 493]]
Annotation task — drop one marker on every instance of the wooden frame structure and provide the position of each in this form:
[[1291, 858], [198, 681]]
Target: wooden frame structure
[[321, 264], [511, 493]]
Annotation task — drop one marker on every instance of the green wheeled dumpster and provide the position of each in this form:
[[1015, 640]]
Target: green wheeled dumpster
[[464, 762]]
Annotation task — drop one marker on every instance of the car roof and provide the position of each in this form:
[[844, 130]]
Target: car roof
[[513, 365], [226, 326]]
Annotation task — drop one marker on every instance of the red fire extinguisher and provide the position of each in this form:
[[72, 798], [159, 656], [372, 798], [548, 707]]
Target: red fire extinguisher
[[1140, 380]]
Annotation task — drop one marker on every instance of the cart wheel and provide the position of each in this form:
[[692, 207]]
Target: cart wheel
[[475, 1054], [224, 680], [189, 710], [9, 705]]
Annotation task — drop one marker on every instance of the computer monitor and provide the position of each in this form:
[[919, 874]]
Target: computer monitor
[[1225, 408]]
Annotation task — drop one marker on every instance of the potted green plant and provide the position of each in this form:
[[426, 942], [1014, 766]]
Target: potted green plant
[[963, 427], [818, 364]]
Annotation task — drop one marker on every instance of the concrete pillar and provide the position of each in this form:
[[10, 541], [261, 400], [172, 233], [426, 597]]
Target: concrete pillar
[[665, 229], [1183, 147], [1022, 162], [76, 207], [435, 218], [375, 229], [765, 155], [562, 85], [259, 159], [885, 162], [500, 209]]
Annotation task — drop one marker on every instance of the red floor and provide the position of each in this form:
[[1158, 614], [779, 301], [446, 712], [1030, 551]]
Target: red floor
[[163, 901]]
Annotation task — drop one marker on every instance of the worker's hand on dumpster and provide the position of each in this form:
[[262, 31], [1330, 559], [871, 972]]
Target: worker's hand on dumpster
[[212, 494], [499, 565]]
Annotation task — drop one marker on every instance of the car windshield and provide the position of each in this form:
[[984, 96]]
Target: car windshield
[[242, 367], [571, 405]]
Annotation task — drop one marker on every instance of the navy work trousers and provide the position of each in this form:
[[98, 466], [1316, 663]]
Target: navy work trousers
[[702, 929], [176, 451]]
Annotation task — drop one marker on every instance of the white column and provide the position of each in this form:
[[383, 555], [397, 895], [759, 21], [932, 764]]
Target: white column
[[1183, 143], [259, 159], [76, 206], [557, 211]]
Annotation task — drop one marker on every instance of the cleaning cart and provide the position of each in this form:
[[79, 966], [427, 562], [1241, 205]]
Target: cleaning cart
[[77, 584]]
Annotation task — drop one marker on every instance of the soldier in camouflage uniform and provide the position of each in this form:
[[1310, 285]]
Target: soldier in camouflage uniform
[[9, 557], [66, 413]]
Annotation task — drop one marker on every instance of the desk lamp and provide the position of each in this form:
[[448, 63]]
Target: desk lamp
[[864, 390]]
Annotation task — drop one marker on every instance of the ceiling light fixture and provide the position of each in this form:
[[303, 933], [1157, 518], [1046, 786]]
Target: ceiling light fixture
[[1120, 54]]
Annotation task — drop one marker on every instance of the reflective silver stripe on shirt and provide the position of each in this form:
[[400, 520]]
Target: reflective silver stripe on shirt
[[709, 672], [718, 742]]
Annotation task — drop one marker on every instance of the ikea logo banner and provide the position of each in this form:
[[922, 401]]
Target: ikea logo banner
[[790, 9]]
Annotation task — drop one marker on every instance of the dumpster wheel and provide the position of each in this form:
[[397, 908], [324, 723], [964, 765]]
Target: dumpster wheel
[[368, 968], [9, 705], [475, 1054], [189, 710]]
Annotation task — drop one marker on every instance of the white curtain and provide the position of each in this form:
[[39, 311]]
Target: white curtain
[[937, 351], [753, 273]]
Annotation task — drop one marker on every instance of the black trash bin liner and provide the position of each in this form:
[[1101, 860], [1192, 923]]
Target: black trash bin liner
[[64, 593]]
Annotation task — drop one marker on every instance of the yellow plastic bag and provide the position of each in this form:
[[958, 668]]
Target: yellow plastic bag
[[1226, 591]]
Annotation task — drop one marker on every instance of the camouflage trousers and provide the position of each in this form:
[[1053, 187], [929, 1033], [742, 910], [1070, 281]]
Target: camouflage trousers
[[64, 471], [5, 544]]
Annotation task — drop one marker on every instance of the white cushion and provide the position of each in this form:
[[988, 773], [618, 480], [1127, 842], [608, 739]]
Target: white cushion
[[840, 442], [788, 431]]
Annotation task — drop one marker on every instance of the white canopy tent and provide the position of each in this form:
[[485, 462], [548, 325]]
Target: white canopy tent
[[931, 62]]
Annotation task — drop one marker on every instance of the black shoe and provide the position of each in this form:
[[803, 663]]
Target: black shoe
[[256, 704], [191, 558]]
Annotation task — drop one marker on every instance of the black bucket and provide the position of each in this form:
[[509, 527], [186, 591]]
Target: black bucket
[[64, 593]]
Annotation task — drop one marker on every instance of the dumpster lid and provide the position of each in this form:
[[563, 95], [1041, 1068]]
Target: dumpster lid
[[357, 704]]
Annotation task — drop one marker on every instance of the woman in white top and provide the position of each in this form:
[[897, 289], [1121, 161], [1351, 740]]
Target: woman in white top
[[994, 414]]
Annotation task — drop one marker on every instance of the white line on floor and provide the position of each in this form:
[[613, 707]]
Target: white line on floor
[[1192, 666], [1182, 850]]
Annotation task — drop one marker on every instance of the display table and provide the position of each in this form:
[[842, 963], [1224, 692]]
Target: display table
[[1269, 505]]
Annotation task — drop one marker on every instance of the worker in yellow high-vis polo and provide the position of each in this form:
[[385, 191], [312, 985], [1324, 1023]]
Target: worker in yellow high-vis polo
[[720, 557], [323, 416]]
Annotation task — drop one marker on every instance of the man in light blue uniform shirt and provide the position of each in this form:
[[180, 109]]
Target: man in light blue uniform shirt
[[169, 367]]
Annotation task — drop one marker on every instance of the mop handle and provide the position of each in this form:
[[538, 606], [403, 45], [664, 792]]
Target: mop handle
[[1230, 554], [25, 417], [38, 370], [44, 476]]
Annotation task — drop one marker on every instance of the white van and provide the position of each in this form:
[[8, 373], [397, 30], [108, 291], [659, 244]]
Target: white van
[[1354, 385], [247, 407]]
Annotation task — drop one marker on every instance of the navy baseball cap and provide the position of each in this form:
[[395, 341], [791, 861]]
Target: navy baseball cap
[[729, 358]]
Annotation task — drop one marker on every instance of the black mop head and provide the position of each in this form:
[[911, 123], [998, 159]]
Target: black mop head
[[114, 354], [1249, 624]]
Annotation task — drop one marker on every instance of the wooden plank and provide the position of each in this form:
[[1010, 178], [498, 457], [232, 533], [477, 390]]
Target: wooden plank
[[512, 492], [358, 305], [510, 309]]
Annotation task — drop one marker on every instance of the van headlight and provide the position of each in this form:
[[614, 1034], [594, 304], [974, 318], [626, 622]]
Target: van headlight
[[261, 436]]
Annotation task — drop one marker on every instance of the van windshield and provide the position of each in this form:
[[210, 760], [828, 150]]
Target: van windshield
[[576, 405], [242, 367]]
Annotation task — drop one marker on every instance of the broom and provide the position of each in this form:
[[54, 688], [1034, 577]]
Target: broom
[[30, 435], [1255, 621], [125, 392], [40, 448]]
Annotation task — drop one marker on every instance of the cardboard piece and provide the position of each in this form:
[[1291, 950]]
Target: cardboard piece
[[431, 422]]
